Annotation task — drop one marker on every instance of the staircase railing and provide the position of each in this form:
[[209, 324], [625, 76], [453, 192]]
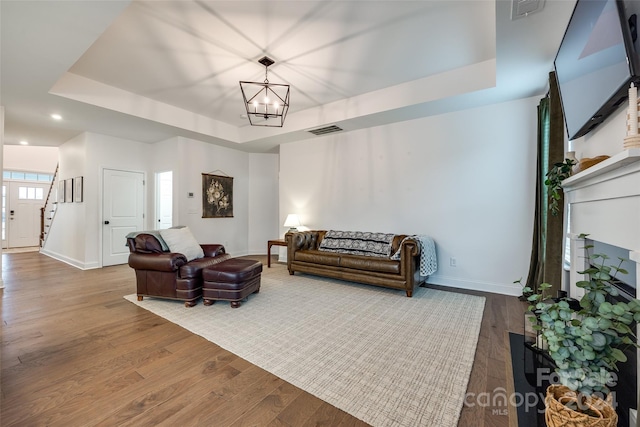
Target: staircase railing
[[46, 220]]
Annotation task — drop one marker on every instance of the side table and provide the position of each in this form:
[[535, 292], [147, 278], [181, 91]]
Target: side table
[[276, 242]]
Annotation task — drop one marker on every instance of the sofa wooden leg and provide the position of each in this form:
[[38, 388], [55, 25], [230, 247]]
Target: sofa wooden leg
[[409, 293], [291, 273], [235, 304], [140, 297], [208, 301], [189, 303]]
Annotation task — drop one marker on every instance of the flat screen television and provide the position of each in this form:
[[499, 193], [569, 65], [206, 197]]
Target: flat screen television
[[597, 61]]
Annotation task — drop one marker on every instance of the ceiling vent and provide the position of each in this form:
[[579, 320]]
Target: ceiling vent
[[523, 8], [325, 130]]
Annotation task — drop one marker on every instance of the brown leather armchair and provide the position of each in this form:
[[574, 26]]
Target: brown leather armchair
[[164, 274]]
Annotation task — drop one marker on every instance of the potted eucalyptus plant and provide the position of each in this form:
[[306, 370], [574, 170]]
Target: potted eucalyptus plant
[[585, 344]]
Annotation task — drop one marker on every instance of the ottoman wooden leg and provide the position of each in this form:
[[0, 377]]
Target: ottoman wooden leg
[[209, 301], [140, 297], [189, 303], [235, 304]]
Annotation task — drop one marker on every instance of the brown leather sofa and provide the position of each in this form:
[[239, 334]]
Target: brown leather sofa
[[164, 274], [304, 256]]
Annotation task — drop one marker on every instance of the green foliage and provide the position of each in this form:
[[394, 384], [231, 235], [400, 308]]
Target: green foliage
[[558, 173], [586, 344]]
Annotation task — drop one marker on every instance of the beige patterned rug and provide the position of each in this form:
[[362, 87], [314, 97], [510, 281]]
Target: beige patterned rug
[[386, 359]]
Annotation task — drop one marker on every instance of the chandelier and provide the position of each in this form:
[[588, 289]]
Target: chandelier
[[266, 103]]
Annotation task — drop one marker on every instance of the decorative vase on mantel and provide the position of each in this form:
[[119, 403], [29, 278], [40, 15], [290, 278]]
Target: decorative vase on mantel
[[632, 140]]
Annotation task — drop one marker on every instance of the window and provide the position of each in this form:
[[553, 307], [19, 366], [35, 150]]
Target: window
[[30, 193], [27, 176]]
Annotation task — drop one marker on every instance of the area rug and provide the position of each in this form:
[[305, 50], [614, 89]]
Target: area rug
[[384, 358]]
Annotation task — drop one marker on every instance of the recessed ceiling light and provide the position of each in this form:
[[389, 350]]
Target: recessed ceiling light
[[24, 143], [56, 117]]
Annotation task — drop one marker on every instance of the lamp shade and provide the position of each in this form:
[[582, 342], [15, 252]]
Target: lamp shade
[[292, 221]]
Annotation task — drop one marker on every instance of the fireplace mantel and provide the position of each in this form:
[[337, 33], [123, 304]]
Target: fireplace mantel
[[604, 200], [608, 169]]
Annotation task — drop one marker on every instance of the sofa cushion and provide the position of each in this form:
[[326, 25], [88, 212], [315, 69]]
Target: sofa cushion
[[357, 243], [368, 263], [318, 257], [193, 269], [180, 240]]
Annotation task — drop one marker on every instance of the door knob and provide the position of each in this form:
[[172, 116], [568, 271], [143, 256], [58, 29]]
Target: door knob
[[106, 222]]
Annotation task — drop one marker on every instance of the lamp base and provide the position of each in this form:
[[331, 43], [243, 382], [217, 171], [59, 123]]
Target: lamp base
[[293, 230]]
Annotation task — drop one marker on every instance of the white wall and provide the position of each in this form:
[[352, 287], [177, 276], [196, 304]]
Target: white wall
[[66, 237], [196, 158], [106, 152], [263, 201], [606, 139], [467, 179], [30, 159], [76, 234]]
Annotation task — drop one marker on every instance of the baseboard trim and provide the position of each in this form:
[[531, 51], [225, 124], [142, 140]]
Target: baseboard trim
[[494, 288], [72, 262]]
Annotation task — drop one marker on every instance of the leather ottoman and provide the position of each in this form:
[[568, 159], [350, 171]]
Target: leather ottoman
[[231, 280]]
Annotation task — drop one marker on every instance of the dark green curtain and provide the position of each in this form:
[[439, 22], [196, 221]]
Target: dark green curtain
[[547, 250]]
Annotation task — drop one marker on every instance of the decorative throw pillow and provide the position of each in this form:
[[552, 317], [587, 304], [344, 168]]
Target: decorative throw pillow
[[357, 243], [181, 240]]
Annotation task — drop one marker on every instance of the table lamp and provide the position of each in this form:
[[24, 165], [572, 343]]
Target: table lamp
[[292, 221]]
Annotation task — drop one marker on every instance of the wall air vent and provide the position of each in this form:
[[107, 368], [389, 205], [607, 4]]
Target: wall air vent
[[325, 130], [523, 8]]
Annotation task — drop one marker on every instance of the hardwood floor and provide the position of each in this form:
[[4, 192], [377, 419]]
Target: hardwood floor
[[75, 353]]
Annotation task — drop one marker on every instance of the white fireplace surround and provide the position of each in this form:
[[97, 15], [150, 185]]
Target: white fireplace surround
[[605, 204]]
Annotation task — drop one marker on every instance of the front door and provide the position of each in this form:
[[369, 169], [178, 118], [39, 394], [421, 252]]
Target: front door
[[122, 213], [25, 202]]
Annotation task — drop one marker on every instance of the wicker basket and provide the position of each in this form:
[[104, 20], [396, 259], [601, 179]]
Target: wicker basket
[[557, 414]]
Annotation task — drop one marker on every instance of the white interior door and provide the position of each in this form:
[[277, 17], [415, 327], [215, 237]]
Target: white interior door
[[5, 240], [23, 212], [122, 213], [164, 199]]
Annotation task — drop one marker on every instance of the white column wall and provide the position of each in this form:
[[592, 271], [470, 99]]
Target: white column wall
[[66, 237], [467, 179], [263, 201]]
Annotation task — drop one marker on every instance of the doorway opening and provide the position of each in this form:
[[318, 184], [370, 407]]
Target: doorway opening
[[164, 199]]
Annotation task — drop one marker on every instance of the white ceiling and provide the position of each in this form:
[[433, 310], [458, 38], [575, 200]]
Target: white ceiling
[[151, 70]]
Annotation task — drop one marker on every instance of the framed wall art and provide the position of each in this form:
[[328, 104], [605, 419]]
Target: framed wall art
[[77, 189], [61, 185], [68, 190], [217, 196]]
